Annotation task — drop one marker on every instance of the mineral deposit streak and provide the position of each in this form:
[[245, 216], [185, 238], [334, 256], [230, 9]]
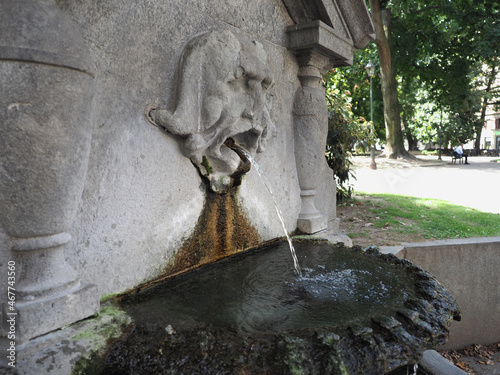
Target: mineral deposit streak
[[278, 211]]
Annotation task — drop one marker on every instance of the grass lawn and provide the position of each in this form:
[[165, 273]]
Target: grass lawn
[[398, 218]]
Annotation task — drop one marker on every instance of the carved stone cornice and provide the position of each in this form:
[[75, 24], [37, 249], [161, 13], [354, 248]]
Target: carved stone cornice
[[332, 28], [318, 37]]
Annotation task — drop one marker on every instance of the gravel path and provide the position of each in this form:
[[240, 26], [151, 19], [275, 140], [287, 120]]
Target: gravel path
[[474, 185]]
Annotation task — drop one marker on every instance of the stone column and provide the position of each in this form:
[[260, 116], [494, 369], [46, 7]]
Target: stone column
[[310, 129], [46, 86], [318, 47]]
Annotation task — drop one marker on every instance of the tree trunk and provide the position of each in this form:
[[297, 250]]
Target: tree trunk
[[412, 142], [479, 128], [394, 135]]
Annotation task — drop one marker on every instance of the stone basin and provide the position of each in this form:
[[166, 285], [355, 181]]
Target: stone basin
[[352, 311]]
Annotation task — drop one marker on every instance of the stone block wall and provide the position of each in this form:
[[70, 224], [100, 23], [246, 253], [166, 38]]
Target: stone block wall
[[142, 197], [468, 269]]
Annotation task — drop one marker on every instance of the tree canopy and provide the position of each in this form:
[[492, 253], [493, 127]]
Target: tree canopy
[[438, 61]]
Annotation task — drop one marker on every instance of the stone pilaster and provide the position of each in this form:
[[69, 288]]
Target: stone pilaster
[[318, 48], [310, 129], [45, 112]]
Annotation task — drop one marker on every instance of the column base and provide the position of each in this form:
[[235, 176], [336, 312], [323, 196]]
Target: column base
[[40, 316], [310, 225]]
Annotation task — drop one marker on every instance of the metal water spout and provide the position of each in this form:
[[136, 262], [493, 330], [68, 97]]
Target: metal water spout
[[245, 164]]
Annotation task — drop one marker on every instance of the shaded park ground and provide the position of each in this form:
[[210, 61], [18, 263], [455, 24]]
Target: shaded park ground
[[472, 185]]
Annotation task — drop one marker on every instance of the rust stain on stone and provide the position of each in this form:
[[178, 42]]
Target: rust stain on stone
[[222, 230]]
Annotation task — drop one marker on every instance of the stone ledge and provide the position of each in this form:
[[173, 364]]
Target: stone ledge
[[71, 349], [468, 268], [40, 316], [312, 225]]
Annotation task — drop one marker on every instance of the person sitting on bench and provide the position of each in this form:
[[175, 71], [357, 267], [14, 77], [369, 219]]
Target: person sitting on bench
[[458, 152]]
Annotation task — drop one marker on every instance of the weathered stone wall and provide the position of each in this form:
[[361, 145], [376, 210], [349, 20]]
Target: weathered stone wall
[[111, 112], [142, 197]]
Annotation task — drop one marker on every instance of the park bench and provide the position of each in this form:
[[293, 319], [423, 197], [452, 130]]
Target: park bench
[[491, 152], [455, 157]]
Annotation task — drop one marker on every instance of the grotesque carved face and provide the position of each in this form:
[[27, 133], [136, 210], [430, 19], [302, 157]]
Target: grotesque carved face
[[222, 93]]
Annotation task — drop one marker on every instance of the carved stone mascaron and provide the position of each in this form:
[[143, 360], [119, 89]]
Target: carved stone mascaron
[[222, 93]]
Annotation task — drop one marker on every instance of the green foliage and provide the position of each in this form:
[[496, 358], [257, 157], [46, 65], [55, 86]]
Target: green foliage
[[431, 123], [354, 82], [439, 50], [346, 131]]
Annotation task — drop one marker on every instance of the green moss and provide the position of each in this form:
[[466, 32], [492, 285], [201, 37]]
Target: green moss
[[91, 365], [107, 326], [108, 297], [207, 166], [343, 369]]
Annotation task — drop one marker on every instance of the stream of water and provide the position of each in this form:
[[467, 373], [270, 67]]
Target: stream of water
[[278, 211]]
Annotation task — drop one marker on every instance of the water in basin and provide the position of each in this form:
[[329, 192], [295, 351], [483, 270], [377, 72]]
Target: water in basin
[[260, 292]]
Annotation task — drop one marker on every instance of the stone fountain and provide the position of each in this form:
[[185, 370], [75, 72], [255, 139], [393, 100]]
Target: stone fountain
[[127, 134], [351, 312], [348, 311]]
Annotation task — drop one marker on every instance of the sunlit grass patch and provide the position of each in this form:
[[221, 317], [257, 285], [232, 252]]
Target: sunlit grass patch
[[432, 218], [357, 234]]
